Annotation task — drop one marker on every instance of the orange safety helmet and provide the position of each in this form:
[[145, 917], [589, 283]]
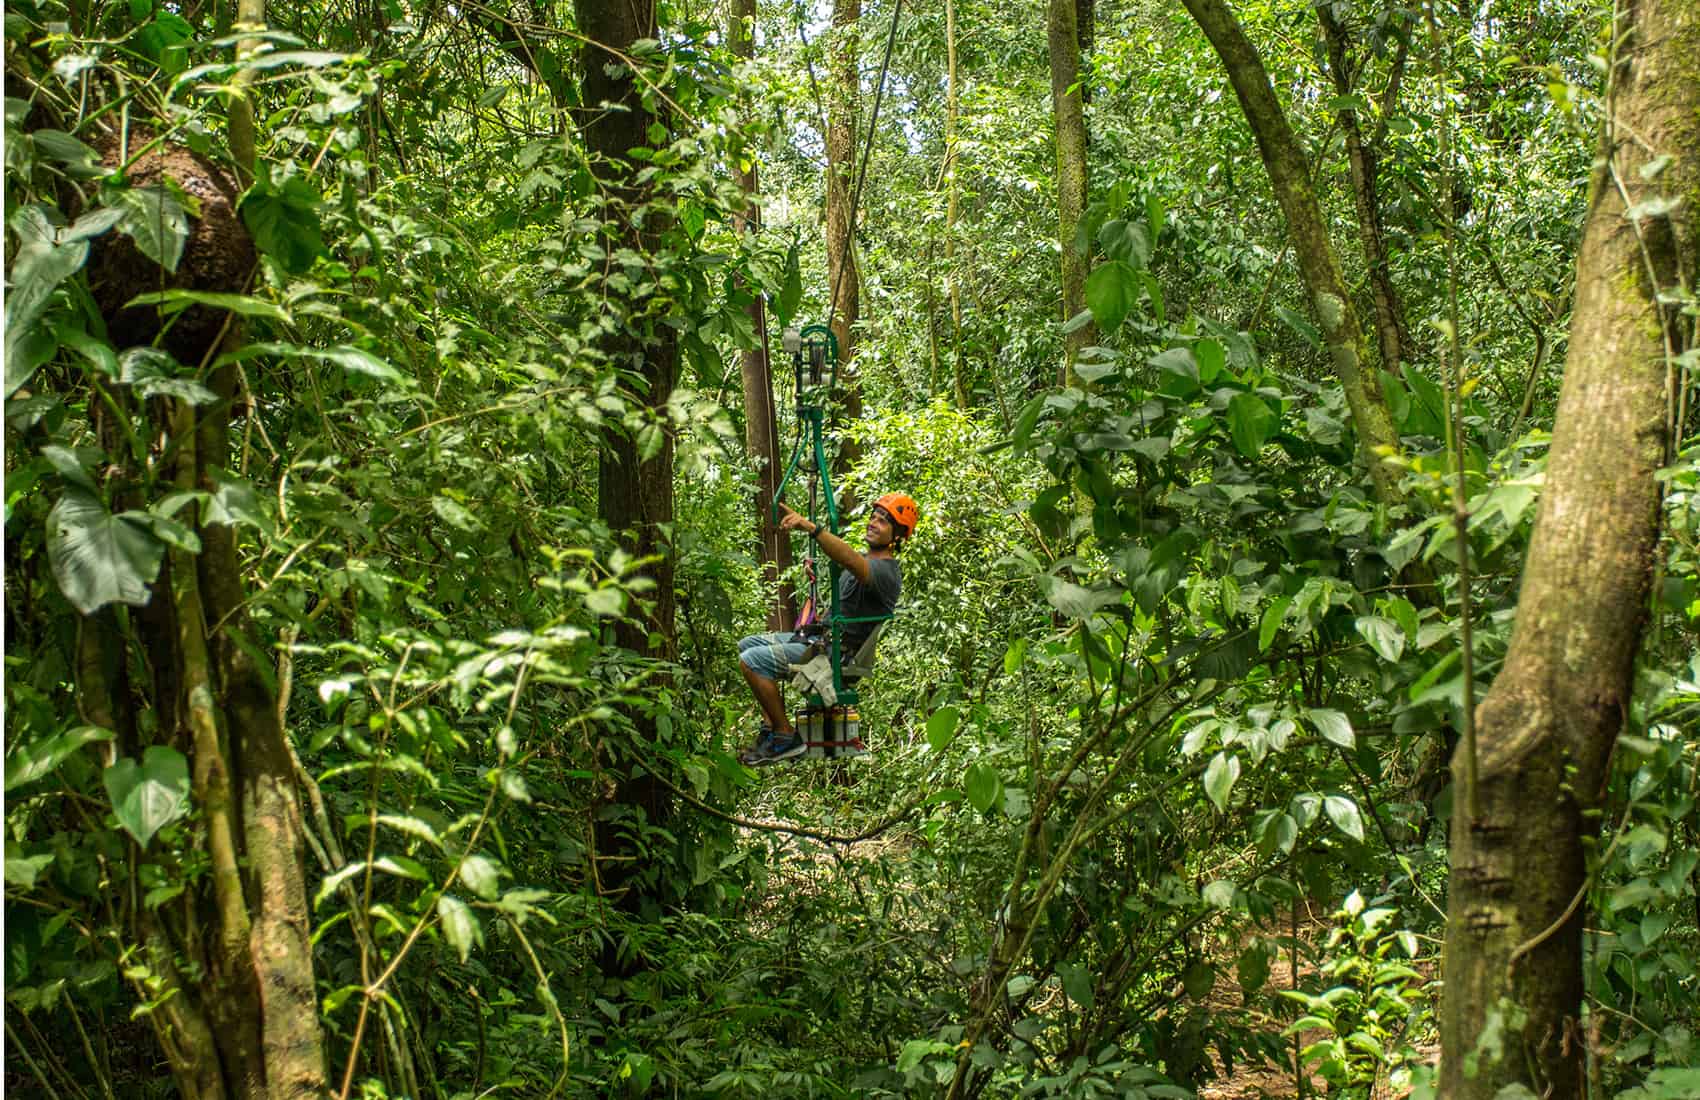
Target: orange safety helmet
[[901, 508]]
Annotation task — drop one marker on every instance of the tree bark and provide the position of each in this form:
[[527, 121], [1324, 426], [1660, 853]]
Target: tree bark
[[1288, 172], [761, 422], [844, 277], [1069, 113], [1390, 326], [634, 495], [1547, 728]]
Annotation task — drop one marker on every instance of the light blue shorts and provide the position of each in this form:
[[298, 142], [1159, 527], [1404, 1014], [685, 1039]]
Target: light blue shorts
[[770, 655]]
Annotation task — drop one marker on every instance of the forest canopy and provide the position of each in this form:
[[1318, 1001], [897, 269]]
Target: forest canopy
[[1295, 682]]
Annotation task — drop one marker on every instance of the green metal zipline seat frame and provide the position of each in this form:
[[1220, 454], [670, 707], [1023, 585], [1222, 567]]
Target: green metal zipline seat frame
[[828, 730]]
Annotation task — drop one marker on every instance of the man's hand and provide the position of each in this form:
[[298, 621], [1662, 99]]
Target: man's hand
[[834, 547], [791, 521]]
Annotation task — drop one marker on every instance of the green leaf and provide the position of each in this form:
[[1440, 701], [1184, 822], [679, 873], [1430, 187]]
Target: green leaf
[[1112, 290], [1311, 334], [455, 514], [339, 355], [56, 145], [166, 530], [155, 373], [1180, 370], [1077, 602], [156, 221], [460, 925], [941, 728], [1334, 726], [284, 220], [1383, 635], [1198, 979], [29, 762], [1219, 778], [1343, 812], [1078, 984], [149, 796], [1025, 423], [99, 558], [1251, 422], [233, 503], [480, 874], [1125, 241], [175, 301], [413, 826], [1253, 967], [22, 870], [99, 353], [1212, 359], [982, 784], [1220, 894], [38, 265], [605, 601], [1273, 616]]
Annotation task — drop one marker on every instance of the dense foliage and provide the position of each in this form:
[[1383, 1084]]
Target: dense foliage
[[1162, 735]]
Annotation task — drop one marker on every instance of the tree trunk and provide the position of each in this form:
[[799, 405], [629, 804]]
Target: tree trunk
[[1069, 113], [634, 494], [1361, 156], [761, 423], [1546, 730], [844, 279], [958, 359], [1290, 175]]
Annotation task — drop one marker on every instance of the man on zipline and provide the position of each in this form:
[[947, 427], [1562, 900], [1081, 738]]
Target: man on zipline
[[867, 589]]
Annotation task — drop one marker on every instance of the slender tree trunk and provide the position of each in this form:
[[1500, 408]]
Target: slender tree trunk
[[634, 493], [1290, 175], [844, 278], [1361, 156], [1546, 730], [959, 361], [1068, 111], [761, 422]]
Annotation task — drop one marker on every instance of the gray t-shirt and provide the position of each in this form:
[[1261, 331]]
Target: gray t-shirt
[[858, 601]]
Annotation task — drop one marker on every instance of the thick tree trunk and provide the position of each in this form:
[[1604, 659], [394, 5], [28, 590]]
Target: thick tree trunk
[[634, 495], [1361, 156], [844, 277], [1290, 175], [761, 422], [1069, 113], [1546, 730]]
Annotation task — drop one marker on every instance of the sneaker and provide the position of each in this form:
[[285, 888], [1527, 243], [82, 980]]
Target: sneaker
[[783, 746], [757, 753]]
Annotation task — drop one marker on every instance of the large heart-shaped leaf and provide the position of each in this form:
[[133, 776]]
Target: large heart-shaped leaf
[[284, 220], [156, 221], [148, 796], [99, 558]]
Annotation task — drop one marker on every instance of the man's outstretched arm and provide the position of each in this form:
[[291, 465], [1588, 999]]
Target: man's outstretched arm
[[834, 547]]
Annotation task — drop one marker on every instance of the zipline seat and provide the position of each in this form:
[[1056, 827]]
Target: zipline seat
[[832, 732]]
